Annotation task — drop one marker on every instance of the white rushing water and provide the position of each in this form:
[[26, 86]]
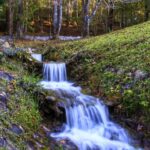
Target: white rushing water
[[54, 72], [37, 57], [88, 125]]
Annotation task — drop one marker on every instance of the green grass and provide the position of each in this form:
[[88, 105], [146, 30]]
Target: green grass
[[125, 51], [22, 104]]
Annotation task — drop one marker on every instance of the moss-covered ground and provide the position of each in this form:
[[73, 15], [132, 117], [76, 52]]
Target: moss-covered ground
[[22, 106]]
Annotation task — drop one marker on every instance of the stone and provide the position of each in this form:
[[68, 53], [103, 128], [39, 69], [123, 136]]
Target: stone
[[3, 142], [139, 74], [6, 76], [51, 98], [6, 45], [17, 129], [3, 97]]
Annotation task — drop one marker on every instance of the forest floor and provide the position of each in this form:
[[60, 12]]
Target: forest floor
[[114, 67]]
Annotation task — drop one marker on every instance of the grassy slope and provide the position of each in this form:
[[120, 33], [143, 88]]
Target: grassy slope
[[108, 67], [22, 105], [108, 64]]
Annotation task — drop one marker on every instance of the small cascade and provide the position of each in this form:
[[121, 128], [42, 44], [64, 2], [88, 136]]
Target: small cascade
[[37, 57], [88, 125], [54, 72]]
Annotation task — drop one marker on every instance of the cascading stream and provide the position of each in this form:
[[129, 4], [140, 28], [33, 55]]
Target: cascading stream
[[88, 125], [54, 72]]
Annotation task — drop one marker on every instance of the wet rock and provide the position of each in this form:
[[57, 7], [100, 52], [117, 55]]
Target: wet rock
[[17, 129], [112, 103], [3, 142], [139, 74], [6, 76], [51, 98], [3, 97]]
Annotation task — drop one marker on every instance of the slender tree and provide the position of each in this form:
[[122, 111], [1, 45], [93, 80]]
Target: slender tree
[[147, 9], [57, 18], [10, 17], [87, 17], [20, 25], [110, 15]]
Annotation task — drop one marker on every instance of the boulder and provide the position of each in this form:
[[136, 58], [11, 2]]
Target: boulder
[[6, 45]]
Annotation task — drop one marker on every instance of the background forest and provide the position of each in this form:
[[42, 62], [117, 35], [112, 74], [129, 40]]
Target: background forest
[[70, 17]]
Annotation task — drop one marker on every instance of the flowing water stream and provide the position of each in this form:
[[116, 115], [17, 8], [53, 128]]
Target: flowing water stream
[[88, 125]]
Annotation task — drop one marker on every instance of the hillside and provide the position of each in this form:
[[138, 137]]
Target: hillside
[[115, 67]]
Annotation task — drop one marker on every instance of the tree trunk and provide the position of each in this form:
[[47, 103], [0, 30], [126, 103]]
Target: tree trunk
[[57, 18], [10, 17], [147, 10], [86, 20], [88, 17], [86, 26], [110, 16], [20, 22]]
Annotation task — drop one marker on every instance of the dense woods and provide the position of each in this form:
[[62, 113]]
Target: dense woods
[[70, 17]]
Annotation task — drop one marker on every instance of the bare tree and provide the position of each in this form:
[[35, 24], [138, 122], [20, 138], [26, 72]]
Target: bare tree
[[10, 17], [20, 21], [57, 18], [87, 17]]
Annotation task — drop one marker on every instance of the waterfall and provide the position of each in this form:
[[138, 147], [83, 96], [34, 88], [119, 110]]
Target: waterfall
[[54, 72], [88, 125], [37, 57]]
